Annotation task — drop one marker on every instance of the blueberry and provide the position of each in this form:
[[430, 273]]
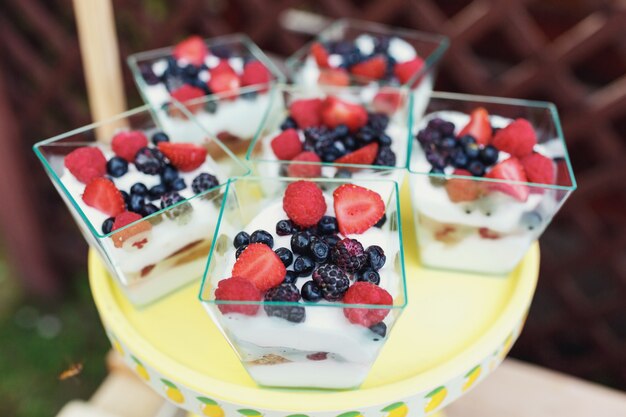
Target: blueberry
[[241, 239], [380, 329], [157, 191], [349, 142], [107, 225], [148, 209], [378, 121], [385, 157], [139, 188], [472, 150], [291, 277], [149, 161], [384, 140], [436, 160], [319, 250], [239, 250], [341, 131], [285, 228], [489, 155], [458, 158], [381, 222], [303, 266], [116, 167], [137, 202], [300, 243], [331, 240], [531, 220], [446, 128], [466, 140], [169, 174], [367, 275], [288, 123], [476, 168], [285, 256], [311, 292], [343, 173], [366, 135], [376, 257], [261, 236], [177, 185], [327, 225], [211, 105], [126, 197], [448, 142], [159, 137]]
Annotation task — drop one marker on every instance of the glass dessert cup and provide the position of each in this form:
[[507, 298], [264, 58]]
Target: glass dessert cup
[[159, 75], [485, 224], [164, 247], [390, 143], [303, 68], [320, 348]]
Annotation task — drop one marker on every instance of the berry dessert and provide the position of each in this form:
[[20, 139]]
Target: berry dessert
[[282, 289], [222, 82], [493, 184]]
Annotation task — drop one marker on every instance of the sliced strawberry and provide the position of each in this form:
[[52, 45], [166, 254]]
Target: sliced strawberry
[[306, 112], [286, 145], [311, 170], [102, 195], [86, 163], [184, 156], [487, 233], [238, 289], [509, 170], [260, 265], [518, 138], [373, 68], [224, 80], [334, 76], [404, 71], [462, 190], [337, 112], [357, 208], [223, 66], [186, 93], [363, 156], [387, 101], [255, 73], [366, 293], [320, 54], [193, 49], [478, 127], [135, 236], [304, 203], [539, 169]]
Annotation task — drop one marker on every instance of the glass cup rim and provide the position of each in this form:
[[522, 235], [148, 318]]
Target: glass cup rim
[[37, 148], [514, 102], [396, 191]]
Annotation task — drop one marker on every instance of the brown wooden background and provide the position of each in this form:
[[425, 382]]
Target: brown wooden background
[[570, 52]]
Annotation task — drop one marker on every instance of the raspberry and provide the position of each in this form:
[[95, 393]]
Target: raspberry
[[366, 293], [286, 145], [332, 281], [237, 289], [86, 163], [518, 138], [285, 292], [304, 203], [126, 144], [539, 169], [349, 255]]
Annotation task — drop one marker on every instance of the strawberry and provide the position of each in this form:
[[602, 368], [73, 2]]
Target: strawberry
[[306, 112], [366, 293], [357, 208], [487, 233], [387, 101], [192, 49], [135, 236], [286, 145], [334, 76], [255, 73], [304, 203], [320, 54], [310, 170], [404, 71], [102, 195], [363, 156], [237, 289], [539, 169], [222, 67], [336, 112], [509, 170], [462, 190], [224, 80], [373, 68], [478, 127], [518, 138], [127, 143], [184, 156], [124, 219], [260, 265], [86, 163], [186, 93]]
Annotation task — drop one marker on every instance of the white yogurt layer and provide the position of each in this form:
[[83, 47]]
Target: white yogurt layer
[[351, 349]]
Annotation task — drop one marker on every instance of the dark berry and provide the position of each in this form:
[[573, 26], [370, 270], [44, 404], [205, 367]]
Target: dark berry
[[139, 188], [341, 131], [447, 128], [159, 137], [169, 174], [211, 105], [531, 220], [476, 168], [350, 143], [366, 135], [384, 140], [332, 281], [458, 158], [288, 123], [148, 75], [116, 167], [466, 140], [378, 121], [107, 225], [349, 255], [126, 197], [327, 225], [472, 150], [319, 250], [137, 201], [291, 277], [221, 51], [381, 222], [261, 236], [331, 240], [367, 275], [249, 95], [171, 199], [149, 161], [239, 250], [177, 185], [489, 155], [148, 209], [380, 329], [204, 182], [157, 191], [300, 243], [448, 142], [376, 257], [241, 239], [285, 292], [285, 256], [285, 228], [435, 124], [343, 173], [303, 266], [385, 157], [311, 292], [436, 160]]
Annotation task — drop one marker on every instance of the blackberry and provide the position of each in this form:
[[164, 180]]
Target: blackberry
[[286, 228], [378, 121], [148, 75], [159, 137], [319, 250], [177, 185], [332, 281], [181, 211], [116, 167], [169, 174], [349, 255], [139, 188], [261, 236], [204, 182], [136, 203], [303, 266], [385, 157], [489, 155], [327, 225], [350, 143], [241, 239], [291, 277], [476, 168], [381, 222], [149, 161], [343, 173], [107, 225], [285, 256], [436, 160], [284, 293], [380, 329], [384, 139], [375, 257], [239, 250], [289, 123], [367, 275], [366, 135], [435, 124], [300, 243], [311, 292], [148, 209], [340, 131], [447, 128], [157, 191]]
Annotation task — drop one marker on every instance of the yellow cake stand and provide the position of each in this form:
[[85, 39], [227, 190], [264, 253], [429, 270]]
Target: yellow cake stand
[[455, 330]]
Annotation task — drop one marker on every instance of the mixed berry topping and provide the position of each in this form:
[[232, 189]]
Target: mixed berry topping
[[285, 292], [332, 281]]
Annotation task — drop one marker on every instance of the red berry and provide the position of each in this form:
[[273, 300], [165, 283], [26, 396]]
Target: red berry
[[304, 203], [237, 289], [86, 163], [404, 71], [255, 73], [334, 76], [539, 169], [487, 233], [184, 156], [510, 170], [336, 112], [320, 54], [366, 293], [306, 113], [310, 170], [387, 101], [222, 67], [357, 208], [286, 145], [518, 138], [373, 68], [224, 80], [192, 49], [127, 143], [462, 190], [102, 195], [124, 219], [186, 93], [479, 127], [363, 156], [136, 235], [260, 265]]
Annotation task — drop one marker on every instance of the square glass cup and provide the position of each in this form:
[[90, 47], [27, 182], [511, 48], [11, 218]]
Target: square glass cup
[[162, 251], [320, 348], [264, 162], [482, 224], [233, 116]]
